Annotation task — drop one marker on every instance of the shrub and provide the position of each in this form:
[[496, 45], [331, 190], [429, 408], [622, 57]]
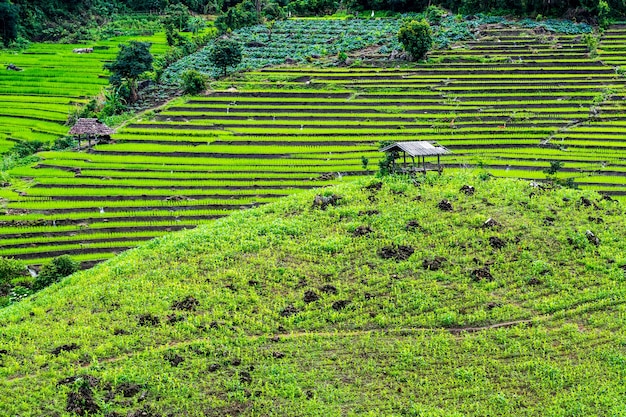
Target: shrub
[[225, 53], [27, 148], [10, 269], [193, 82], [434, 14], [591, 41], [416, 38], [58, 268]]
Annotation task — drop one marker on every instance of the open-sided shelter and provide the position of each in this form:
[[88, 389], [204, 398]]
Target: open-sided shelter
[[415, 149], [89, 129]]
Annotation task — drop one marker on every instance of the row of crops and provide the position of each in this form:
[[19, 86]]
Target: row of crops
[[508, 102], [35, 103]]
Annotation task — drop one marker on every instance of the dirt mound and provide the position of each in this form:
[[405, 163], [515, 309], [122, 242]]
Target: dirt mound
[[496, 242], [490, 223], [322, 202], [188, 303], [174, 359], [290, 310], [397, 252], [434, 264], [128, 389], [445, 205], [468, 190], [64, 348], [481, 274], [148, 320], [310, 296], [413, 225], [328, 289], [362, 231], [340, 305]]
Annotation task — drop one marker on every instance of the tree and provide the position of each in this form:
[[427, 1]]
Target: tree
[[272, 13], [9, 18], [176, 16], [242, 15], [225, 53], [416, 38], [132, 61]]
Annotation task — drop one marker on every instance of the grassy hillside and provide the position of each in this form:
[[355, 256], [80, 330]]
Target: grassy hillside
[[390, 301]]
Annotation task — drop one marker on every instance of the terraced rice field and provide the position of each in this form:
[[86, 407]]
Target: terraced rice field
[[35, 103], [509, 102], [612, 48]]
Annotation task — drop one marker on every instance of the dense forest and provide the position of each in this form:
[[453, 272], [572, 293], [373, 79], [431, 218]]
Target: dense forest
[[47, 19]]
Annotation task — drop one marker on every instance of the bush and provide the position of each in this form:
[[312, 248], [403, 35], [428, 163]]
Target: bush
[[10, 269], [416, 38], [434, 14], [27, 148], [58, 268], [193, 82]]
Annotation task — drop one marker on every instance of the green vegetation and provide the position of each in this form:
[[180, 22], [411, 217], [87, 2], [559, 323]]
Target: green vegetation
[[416, 38], [9, 16], [505, 101], [9, 270], [35, 103], [193, 82], [132, 61], [382, 303], [55, 270], [225, 53]]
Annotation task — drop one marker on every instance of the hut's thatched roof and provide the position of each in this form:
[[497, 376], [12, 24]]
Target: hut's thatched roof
[[91, 127]]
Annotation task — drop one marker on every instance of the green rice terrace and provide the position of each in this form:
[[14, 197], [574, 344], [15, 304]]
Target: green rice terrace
[[452, 295], [510, 101], [35, 103]]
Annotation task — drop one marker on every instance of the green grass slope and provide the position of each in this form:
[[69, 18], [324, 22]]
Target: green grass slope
[[383, 304]]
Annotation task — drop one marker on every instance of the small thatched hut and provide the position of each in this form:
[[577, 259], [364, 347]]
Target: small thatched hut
[[90, 129], [413, 149]]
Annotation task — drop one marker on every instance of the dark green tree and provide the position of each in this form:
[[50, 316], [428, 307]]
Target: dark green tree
[[225, 53], [242, 15], [132, 61], [176, 16], [9, 18], [272, 12], [58, 268], [416, 38]]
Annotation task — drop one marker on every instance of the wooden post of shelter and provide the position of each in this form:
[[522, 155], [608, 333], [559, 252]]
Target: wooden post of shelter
[[90, 129]]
